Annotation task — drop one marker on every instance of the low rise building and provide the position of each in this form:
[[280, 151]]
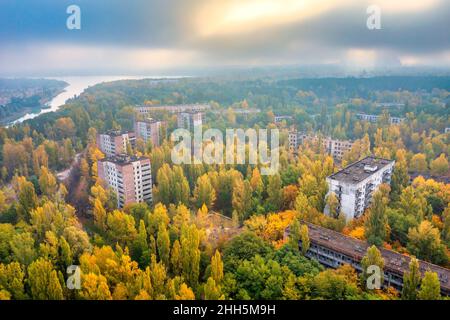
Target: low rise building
[[333, 249], [355, 184], [390, 104], [115, 142], [130, 177], [374, 118]]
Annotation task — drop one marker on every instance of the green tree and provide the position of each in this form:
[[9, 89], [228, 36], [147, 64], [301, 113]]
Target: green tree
[[332, 204], [376, 225], [94, 287], [400, 179], [100, 215], [372, 258], [22, 247], [294, 234], [304, 238], [413, 203], [411, 280], [425, 243], [242, 198], [43, 281], [7, 231], [274, 193], [204, 193], [419, 163], [121, 227], [47, 182], [158, 216], [190, 254], [439, 166], [12, 278], [163, 243], [175, 258], [27, 197], [140, 249], [212, 290], [217, 267], [430, 289], [172, 186]]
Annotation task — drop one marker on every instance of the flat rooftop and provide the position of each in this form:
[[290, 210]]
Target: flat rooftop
[[150, 120], [123, 159], [356, 249], [175, 106], [116, 133], [360, 170]]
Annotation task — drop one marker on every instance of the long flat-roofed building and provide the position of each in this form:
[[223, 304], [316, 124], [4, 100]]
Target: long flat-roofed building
[[115, 142], [146, 110], [333, 249], [280, 118], [149, 130], [129, 177], [374, 118], [355, 184], [334, 147]]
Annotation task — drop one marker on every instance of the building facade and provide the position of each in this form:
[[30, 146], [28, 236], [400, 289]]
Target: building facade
[[115, 142], [355, 184], [146, 110], [149, 130], [374, 118], [129, 177], [281, 118], [333, 249], [334, 147], [189, 120]]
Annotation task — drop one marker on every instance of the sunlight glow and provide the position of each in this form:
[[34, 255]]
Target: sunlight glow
[[224, 17]]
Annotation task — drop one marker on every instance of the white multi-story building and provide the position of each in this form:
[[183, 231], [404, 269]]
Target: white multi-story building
[[189, 120], [374, 118], [355, 184], [149, 130], [280, 118], [115, 142], [334, 147], [129, 177], [146, 110]]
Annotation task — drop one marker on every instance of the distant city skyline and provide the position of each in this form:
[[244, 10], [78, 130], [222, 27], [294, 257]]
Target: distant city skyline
[[169, 36]]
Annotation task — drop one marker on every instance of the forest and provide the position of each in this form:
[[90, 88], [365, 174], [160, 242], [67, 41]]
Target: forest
[[217, 231]]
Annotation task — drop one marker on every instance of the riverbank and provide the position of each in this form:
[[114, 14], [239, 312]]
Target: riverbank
[[76, 85]]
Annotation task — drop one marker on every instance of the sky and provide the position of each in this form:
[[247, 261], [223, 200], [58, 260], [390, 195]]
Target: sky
[[139, 36]]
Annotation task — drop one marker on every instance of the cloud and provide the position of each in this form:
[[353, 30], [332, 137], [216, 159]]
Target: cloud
[[156, 34]]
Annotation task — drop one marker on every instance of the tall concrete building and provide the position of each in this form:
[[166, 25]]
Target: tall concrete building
[[149, 130], [355, 184], [129, 177], [189, 120], [115, 142], [334, 147]]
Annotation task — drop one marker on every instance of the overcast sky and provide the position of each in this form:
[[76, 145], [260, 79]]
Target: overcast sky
[[138, 36]]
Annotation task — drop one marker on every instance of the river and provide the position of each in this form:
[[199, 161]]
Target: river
[[76, 86]]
